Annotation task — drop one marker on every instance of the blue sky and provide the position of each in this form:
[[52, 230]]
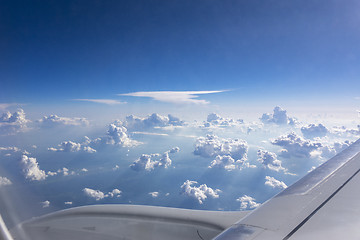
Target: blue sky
[[286, 51]]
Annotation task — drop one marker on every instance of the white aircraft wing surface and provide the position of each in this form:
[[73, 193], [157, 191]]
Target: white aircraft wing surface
[[325, 204], [322, 205], [125, 222]]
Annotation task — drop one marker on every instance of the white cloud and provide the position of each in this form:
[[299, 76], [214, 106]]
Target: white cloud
[[55, 121], [269, 160], [346, 132], [69, 146], [117, 135], [279, 117], [98, 195], [66, 172], [200, 193], [174, 150], [312, 130], [228, 163], [114, 193], [45, 204], [31, 170], [154, 194], [214, 119], [330, 150], [174, 96], [68, 203], [103, 101], [247, 202], [4, 181], [272, 182], [211, 146], [13, 123], [8, 151], [146, 162], [295, 145], [134, 123]]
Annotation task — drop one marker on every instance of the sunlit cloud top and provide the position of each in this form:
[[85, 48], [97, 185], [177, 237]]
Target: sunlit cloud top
[[174, 96]]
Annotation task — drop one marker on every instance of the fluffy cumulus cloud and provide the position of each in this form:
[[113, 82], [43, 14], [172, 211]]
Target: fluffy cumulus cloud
[[345, 131], [330, 150], [117, 135], [55, 121], [279, 117], [274, 183], [4, 181], [134, 123], [294, 145], [11, 123], [247, 202], [269, 160], [45, 204], [200, 193], [211, 146], [312, 130], [69, 146], [149, 162], [154, 194], [98, 195], [228, 163], [31, 170], [214, 119]]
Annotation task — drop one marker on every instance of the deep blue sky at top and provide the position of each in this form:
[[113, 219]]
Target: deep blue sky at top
[[59, 50]]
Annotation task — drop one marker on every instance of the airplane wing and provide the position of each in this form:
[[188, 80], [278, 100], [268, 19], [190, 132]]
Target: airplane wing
[[113, 221], [322, 205]]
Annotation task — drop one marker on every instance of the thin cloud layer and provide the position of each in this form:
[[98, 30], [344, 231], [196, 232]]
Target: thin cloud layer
[[179, 97], [200, 193], [247, 202], [274, 183], [4, 181], [102, 101], [56, 121]]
